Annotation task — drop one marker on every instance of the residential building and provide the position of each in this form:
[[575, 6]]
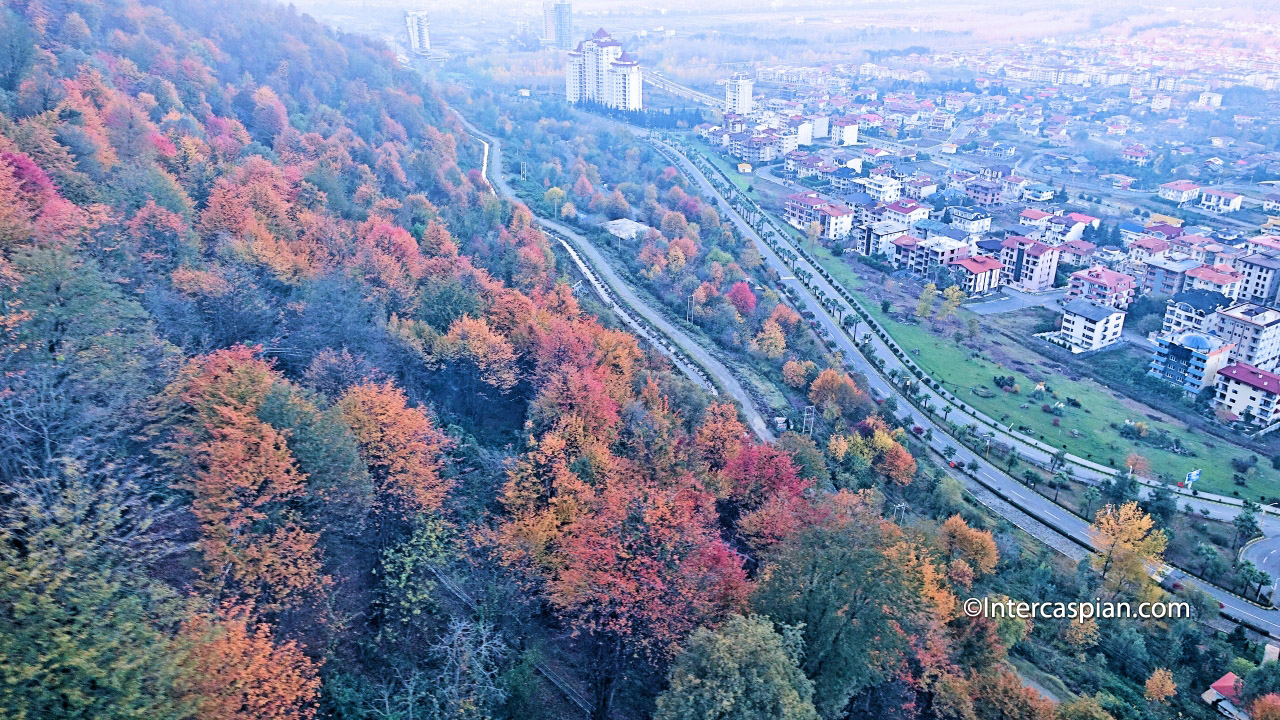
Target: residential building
[[804, 209], [1216, 278], [844, 131], [1192, 310], [877, 238], [1146, 248], [419, 28], [1254, 330], [1248, 394], [599, 71], [1029, 265], [1102, 285], [1077, 252], [970, 220], [1167, 275], [737, 94], [984, 192], [919, 188], [979, 274], [1179, 191], [557, 24], [1261, 276], [1032, 217], [1219, 201], [1190, 360], [1089, 326], [907, 212], [921, 256], [883, 188]]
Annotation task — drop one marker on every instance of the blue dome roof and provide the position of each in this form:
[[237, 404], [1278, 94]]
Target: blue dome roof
[[1195, 341]]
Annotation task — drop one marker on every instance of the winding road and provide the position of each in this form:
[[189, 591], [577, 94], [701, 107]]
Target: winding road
[[598, 270]]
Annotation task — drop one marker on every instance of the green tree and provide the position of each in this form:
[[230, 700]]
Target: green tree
[[1090, 496], [847, 582], [79, 614], [743, 670], [1246, 524]]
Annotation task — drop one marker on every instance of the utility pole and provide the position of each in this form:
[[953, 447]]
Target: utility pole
[[900, 511], [807, 426]]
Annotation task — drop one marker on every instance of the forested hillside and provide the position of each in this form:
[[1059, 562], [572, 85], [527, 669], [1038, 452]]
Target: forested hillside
[[298, 420]]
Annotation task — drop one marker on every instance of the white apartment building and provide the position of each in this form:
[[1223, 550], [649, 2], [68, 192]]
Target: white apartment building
[[969, 220], [1261, 276], [419, 28], [1089, 326], [1179, 191], [1219, 201], [599, 71], [737, 94], [883, 188], [1249, 394], [1255, 332]]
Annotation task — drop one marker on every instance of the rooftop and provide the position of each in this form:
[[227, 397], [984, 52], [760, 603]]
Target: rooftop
[[1090, 310], [1253, 377], [978, 264], [1205, 301], [1252, 314], [1099, 275]]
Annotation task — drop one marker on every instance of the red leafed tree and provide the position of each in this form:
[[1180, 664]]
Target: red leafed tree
[[642, 568], [243, 481], [233, 669], [742, 298], [767, 492], [403, 449], [583, 188]]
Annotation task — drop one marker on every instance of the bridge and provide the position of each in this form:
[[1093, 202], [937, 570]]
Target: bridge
[[657, 80]]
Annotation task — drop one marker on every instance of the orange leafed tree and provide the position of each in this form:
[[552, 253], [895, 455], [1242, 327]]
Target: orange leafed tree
[[1266, 707], [720, 436], [962, 543], [233, 669], [243, 480], [472, 341], [403, 449]]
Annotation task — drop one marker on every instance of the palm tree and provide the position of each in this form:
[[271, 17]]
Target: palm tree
[[1060, 478], [1091, 496], [1058, 460], [1263, 578]]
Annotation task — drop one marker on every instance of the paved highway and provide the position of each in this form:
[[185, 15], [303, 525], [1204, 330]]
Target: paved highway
[[1064, 522]]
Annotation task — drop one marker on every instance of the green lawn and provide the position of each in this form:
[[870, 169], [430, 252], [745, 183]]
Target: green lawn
[[717, 158], [961, 369]]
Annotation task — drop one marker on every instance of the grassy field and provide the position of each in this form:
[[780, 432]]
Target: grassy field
[[1088, 431], [722, 162]]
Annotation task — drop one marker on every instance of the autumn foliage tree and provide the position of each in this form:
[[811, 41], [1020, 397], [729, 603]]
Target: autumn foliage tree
[[403, 449], [242, 478], [234, 668], [641, 568], [1126, 540]]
